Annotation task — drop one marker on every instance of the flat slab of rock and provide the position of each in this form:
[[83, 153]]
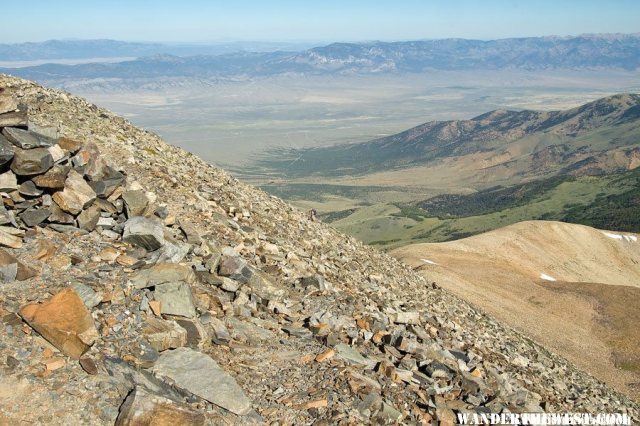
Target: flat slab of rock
[[412, 317], [54, 178], [144, 232], [34, 217], [76, 195], [142, 408], [351, 355], [29, 162], [9, 240], [15, 118], [27, 139], [163, 273], [64, 321], [200, 375], [8, 181], [175, 299]]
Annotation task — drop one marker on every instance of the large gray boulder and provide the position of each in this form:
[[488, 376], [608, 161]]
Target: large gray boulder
[[26, 139], [29, 162], [200, 375]]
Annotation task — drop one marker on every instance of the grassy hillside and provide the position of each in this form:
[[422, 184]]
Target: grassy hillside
[[605, 202]]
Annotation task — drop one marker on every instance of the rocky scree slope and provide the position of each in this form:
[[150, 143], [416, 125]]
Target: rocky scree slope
[[141, 284]]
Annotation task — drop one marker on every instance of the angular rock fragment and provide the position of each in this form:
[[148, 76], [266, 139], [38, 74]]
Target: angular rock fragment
[[190, 231], [135, 202], [220, 335], [144, 232], [106, 184], [88, 160], [59, 216], [235, 267], [6, 151], [57, 153], [76, 196], [140, 353], [142, 408], [5, 216], [8, 182], [34, 217], [29, 162], [163, 335], [196, 333], [89, 296], [70, 145], [9, 240], [200, 375], [163, 273], [53, 178], [26, 139], [64, 321], [88, 218], [350, 354], [175, 299], [29, 189], [12, 269], [407, 318], [8, 103], [15, 118]]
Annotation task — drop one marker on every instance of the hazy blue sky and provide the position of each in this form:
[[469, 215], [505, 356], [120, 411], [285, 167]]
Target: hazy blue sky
[[309, 20]]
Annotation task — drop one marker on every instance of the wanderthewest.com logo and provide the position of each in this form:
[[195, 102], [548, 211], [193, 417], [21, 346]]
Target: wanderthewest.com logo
[[544, 419]]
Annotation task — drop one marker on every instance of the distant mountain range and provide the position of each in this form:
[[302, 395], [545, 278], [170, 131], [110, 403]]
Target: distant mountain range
[[88, 49], [589, 51]]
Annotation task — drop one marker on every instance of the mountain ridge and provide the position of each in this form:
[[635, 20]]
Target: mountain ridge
[[580, 52], [487, 133]]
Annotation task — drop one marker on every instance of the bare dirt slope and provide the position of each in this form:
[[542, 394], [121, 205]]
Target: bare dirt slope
[[587, 314]]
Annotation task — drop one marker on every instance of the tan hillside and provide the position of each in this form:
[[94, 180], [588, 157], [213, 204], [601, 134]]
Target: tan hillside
[[570, 287]]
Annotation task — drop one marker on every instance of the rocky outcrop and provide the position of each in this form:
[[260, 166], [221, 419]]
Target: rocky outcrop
[[213, 299]]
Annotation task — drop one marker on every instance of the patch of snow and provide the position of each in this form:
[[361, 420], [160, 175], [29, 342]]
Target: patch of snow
[[628, 238], [614, 236], [546, 277], [430, 262]]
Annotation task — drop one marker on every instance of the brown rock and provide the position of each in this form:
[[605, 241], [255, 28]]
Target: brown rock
[[9, 240], [46, 249], [54, 178], [64, 321], [53, 363], [76, 196], [141, 408], [320, 403], [69, 144], [328, 354], [163, 335], [12, 269], [156, 307], [89, 366]]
